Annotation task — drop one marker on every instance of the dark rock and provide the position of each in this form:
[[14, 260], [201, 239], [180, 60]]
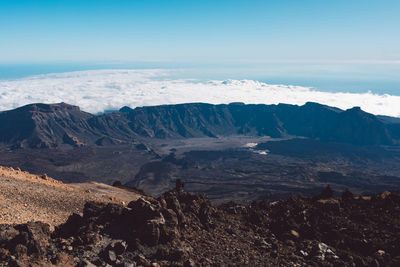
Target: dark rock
[[34, 235], [178, 254], [86, 263], [119, 247], [141, 260], [189, 263], [7, 233], [111, 256], [290, 243], [145, 210], [179, 185], [92, 209], [20, 250], [15, 263], [395, 262], [326, 193], [347, 195], [71, 226], [170, 231], [149, 221], [117, 183], [150, 233]]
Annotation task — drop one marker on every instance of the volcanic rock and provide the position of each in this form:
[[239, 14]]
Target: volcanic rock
[[148, 232]]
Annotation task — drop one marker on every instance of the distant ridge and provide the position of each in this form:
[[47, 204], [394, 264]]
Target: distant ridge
[[58, 125], [43, 125]]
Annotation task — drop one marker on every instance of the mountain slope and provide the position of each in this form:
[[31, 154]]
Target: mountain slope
[[42, 125], [310, 120], [25, 197], [326, 123]]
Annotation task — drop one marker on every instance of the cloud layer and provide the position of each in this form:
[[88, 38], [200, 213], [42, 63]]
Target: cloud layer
[[100, 90]]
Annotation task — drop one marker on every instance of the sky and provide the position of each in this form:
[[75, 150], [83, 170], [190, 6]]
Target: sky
[[207, 31], [102, 54]]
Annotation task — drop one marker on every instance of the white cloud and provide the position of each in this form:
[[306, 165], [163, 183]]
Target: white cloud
[[99, 90]]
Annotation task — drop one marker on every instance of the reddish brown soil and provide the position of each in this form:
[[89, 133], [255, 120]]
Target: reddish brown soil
[[28, 197]]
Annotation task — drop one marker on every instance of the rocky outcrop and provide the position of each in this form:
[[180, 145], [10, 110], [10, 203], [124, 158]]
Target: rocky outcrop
[[28, 244], [184, 229]]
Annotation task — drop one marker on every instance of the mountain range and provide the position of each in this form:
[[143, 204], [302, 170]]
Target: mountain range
[[230, 151], [63, 125]]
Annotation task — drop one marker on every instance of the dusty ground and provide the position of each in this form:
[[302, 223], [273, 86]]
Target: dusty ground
[[27, 197]]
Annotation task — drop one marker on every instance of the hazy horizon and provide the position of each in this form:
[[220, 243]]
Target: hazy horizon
[[354, 77]]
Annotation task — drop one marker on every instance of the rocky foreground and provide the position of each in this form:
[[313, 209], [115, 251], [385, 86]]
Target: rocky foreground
[[184, 229]]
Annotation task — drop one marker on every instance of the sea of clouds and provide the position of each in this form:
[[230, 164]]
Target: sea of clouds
[[100, 90]]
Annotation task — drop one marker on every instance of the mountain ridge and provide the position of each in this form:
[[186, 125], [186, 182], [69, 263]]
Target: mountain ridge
[[57, 125]]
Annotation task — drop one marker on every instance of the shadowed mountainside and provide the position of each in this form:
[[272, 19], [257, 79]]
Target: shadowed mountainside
[[42, 125], [57, 125]]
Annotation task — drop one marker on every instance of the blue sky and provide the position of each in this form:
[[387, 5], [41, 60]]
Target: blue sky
[[200, 31]]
